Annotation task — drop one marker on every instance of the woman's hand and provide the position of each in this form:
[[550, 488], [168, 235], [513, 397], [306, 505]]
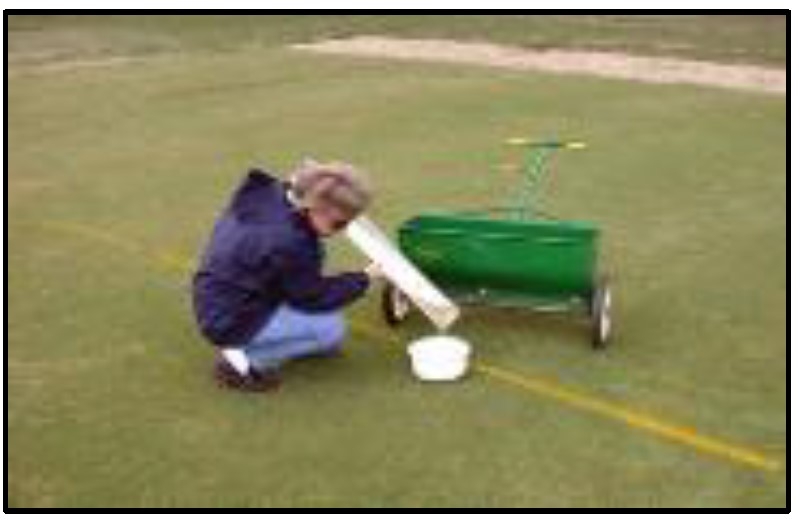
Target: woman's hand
[[374, 272]]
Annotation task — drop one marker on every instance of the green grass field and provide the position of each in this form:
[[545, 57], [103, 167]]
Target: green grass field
[[115, 174]]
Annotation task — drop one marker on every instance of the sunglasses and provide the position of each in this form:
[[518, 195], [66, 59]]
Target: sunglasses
[[336, 218], [340, 224]]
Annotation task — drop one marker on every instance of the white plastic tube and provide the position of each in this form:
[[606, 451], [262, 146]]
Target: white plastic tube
[[368, 238]]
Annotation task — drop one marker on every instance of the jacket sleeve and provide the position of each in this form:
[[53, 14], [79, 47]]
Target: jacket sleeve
[[307, 289]]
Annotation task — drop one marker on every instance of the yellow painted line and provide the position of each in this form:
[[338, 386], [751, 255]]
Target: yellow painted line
[[93, 233], [685, 435], [168, 260], [175, 262]]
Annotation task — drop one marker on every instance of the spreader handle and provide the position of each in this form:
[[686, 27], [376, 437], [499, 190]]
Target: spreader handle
[[527, 142]]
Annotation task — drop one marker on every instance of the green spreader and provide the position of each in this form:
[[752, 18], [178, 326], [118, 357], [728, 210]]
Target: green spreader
[[511, 255]]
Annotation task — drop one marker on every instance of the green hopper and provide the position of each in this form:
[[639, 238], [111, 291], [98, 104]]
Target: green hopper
[[510, 255]]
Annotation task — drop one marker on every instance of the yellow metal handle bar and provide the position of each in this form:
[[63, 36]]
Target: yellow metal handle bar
[[527, 142]]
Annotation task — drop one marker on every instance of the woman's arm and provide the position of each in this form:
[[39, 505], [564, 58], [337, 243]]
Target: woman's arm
[[307, 289]]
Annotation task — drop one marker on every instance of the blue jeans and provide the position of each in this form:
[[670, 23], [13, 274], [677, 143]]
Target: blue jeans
[[291, 334]]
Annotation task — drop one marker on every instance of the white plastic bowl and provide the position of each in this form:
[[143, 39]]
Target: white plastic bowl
[[439, 358]]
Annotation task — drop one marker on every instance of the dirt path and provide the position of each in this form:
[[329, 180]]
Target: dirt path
[[605, 64], [70, 64]]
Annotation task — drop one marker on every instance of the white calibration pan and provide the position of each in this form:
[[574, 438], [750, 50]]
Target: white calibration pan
[[439, 358]]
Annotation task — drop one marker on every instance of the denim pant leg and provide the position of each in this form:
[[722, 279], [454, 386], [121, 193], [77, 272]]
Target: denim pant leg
[[291, 333]]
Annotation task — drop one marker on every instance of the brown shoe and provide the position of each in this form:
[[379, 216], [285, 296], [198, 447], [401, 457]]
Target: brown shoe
[[265, 380], [333, 353], [255, 381]]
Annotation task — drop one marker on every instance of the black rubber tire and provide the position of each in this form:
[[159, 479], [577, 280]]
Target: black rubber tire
[[601, 322], [389, 300]]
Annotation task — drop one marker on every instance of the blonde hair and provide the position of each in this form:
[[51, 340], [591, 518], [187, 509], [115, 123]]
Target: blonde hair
[[337, 184]]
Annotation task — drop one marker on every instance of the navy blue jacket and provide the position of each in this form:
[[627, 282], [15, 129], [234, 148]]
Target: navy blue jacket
[[263, 253]]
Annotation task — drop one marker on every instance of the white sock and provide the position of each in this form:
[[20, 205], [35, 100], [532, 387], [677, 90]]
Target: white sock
[[237, 359]]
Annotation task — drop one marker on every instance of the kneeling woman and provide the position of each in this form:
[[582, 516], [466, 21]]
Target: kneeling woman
[[259, 294]]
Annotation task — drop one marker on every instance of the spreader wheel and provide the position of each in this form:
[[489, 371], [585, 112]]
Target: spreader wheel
[[601, 313], [394, 304]]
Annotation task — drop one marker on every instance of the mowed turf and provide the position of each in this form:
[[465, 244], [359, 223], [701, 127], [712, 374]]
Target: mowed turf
[[115, 174]]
